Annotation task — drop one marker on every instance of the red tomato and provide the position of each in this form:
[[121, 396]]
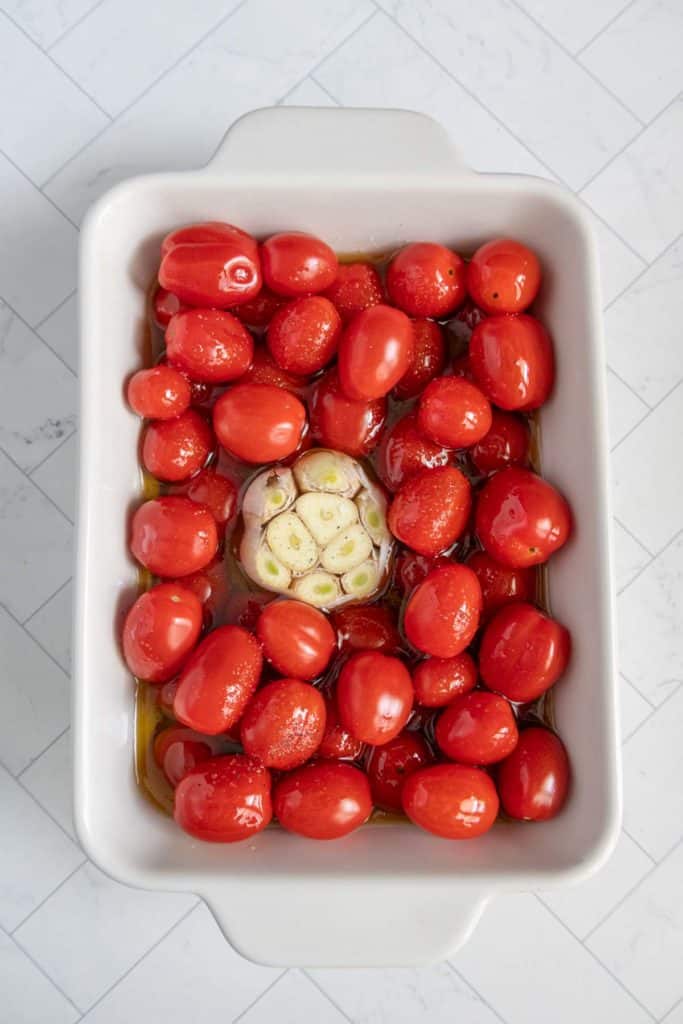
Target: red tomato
[[503, 276], [429, 359], [218, 680], [337, 742], [426, 279], [374, 696], [499, 584], [431, 509], [159, 393], [523, 652], [438, 681], [176, 449], [264, 370], [533, 781], [160, 630], [260, 310], [209, 344], [323, 800], [403, 451], [200, 392], [166, 305], [453, 412], [166, 695], [512, 360], [375, 351], [366, 627], [284, 723], [357, 287], [215, 491], [210, 265], [342, 423], [211, 588], [505, 444], [412, 568], [451, 800], [477, 728], [224, 799], [442, 613], [390, 765], [173, 536], [303, 336], [259, 422], [204, 233], [296, 638], [521, 519], [177, 751], [295, 263]]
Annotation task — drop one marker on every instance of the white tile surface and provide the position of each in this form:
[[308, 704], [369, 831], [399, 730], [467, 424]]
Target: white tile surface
[[634, 709], [51, 626], [28, 997], [619, 265], [676, 1015], [57, 476], [624, 408], [293, 999], [60, 331], [309, 94], [629, 556], [49, 780], [46, 20], [573, 24]]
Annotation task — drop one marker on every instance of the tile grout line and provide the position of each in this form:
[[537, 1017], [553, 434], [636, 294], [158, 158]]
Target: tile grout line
[[41, 970], [266, 990], [20, 782], [54, 451], [36, 186], [37, 486], [34, 331], [19, 776], [33, 639], [47, 600], [63, 301], [627, 385], [633, 537], [633, 685], [651, 409], [46, 898], [465, 980], [624, 242], [642, 849], [326, 995], [325, 90], [647, 718], [75, 24], [679, 1002], [641, 273], [604, 28]]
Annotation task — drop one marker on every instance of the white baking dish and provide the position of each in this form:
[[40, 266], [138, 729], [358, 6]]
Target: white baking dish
[[363, 180]]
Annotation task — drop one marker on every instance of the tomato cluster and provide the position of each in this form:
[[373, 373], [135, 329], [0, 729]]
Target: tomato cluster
[[418, 703]]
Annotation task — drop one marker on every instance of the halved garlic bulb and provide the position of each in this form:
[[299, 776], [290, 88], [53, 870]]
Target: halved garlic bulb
[[346, 551], [290, 541], [325, 515], [323, 470]]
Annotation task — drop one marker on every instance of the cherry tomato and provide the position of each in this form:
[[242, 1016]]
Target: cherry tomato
[[451, 800], [453, 412], [505, 444], [442, 613], [173, 536], [375, 351], [203, 233], [533, 781], [284, 723], [337, 742], [303, 335], [426, 279], [165, 695], [200, 391], [503, 276], [390, 765], [342, 423], [438, 681], [211, 588], [521, 519], [429, 359], [297, 639], [176, 449], [523, 652], [209, 344], [412, 568], [324, 800], [159, 393], [499, 584], [166, 305], [224, 799], [374, 696], [512, 360], [210, 265], [295, 263], [477, 728], [160, 630], [218, 680], [259, 311], [259, 422], [403, 451], [366, 627], [264, 370], [215, 491], [431, 509], [178, 750], [357, 287]]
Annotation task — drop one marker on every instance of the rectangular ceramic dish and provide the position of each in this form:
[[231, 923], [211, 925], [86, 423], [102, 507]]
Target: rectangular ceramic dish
[[363, 180]]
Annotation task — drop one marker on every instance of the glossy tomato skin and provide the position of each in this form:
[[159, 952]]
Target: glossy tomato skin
[[337, 742], [403, 451], [533, 781], [225, 799], [523, 652], [259, 422], [159, 393], [499, 584], [284, 723], [438, 681], [323, 800], [503, 276], [521, 519], [375, 351], [303, 336], [357, 287], [211, 345], [374, 696], [174, 450], [505, 444], [177, 751], [259, 311], [204, 233], [297, 639], [442, 613], [431, 509], [215, 274], [342, 423], [264, 370], [211, 587], [453, 801], [173, 536], [428, 361], [218, 680], [295, 263], [426, 279], [160, 630], [366, 627], [412, 568], [165, 305], [454, 412], [477, 728], [215, 491], [390, 765], [512, 360]]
